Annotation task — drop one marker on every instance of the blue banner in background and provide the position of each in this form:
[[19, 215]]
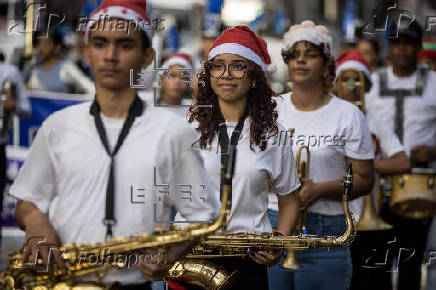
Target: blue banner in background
[[42, 107]]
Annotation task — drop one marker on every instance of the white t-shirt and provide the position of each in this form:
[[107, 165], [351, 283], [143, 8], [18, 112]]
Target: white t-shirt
[[419, 111], [252, 174], [332, 132], [66, 173], [389, 145]]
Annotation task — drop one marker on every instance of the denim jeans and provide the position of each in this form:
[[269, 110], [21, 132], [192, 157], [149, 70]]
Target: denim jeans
[[324, 269], [278, 277]]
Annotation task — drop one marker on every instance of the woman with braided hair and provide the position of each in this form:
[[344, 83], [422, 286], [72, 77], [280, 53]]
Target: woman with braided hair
[[242, 113], [337, 134]]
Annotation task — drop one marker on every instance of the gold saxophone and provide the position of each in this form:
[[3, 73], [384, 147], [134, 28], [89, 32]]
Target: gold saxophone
[[205, 275], [19, 276]]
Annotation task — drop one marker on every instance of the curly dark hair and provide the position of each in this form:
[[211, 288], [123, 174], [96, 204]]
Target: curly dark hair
[[260, 109], [328, 60]]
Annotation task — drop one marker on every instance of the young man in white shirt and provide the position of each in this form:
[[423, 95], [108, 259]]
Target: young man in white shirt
[[76, 186], [353, 79], [403, 97]]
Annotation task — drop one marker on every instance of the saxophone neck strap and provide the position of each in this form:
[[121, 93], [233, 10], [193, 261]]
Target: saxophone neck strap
[[135, 110]]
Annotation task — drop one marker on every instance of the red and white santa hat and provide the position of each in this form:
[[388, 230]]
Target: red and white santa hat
[[243, 41], [353, 59], [131, 10], [308, 31], [182, 59]]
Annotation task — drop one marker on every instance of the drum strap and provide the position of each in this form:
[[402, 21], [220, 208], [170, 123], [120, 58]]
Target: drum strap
[[135, 110], [400, 95]]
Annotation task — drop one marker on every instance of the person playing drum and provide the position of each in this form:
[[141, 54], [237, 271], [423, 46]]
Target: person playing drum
[[403, 97]]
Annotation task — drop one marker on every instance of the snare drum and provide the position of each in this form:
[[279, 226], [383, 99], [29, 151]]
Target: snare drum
[[414, 195]]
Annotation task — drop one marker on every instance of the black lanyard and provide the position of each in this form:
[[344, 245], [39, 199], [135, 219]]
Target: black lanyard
[[223, 139], [135, 110]]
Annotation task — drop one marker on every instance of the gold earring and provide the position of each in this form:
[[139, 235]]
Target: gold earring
[[253, 85]]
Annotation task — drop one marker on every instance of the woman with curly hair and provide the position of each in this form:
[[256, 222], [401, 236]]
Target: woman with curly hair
[[242, 113], [337, 134]]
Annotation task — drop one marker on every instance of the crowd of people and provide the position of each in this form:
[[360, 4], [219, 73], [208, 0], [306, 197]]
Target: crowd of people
[[75, 182]]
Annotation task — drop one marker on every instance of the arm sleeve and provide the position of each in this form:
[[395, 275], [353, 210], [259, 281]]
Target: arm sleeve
[[358, 142], [389, 142], [191, 190], [284, 176], [194, 197], [36, 181]]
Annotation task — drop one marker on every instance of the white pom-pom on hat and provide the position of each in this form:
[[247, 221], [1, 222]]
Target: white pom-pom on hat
[[307, 23], [310, 32]]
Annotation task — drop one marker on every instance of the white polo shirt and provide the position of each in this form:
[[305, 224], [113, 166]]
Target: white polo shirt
[[333, 132], [419, 111], [252, 174], [66, 173]]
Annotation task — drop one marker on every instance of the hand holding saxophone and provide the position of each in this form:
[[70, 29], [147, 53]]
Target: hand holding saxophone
[[268, 259], [41, 240], [157, 268]]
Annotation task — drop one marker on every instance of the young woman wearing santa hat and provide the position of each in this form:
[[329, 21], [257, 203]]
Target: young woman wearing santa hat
[[243, 114], [337, 134], [175, 92]]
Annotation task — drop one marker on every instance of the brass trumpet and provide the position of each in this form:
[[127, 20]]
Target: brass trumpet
[[17, 276], [291, 261]]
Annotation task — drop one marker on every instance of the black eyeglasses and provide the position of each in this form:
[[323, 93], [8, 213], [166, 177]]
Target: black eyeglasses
[[236, 70]]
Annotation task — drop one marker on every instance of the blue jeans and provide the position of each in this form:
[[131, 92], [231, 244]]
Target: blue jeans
[[278, 277], [324, 269]]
